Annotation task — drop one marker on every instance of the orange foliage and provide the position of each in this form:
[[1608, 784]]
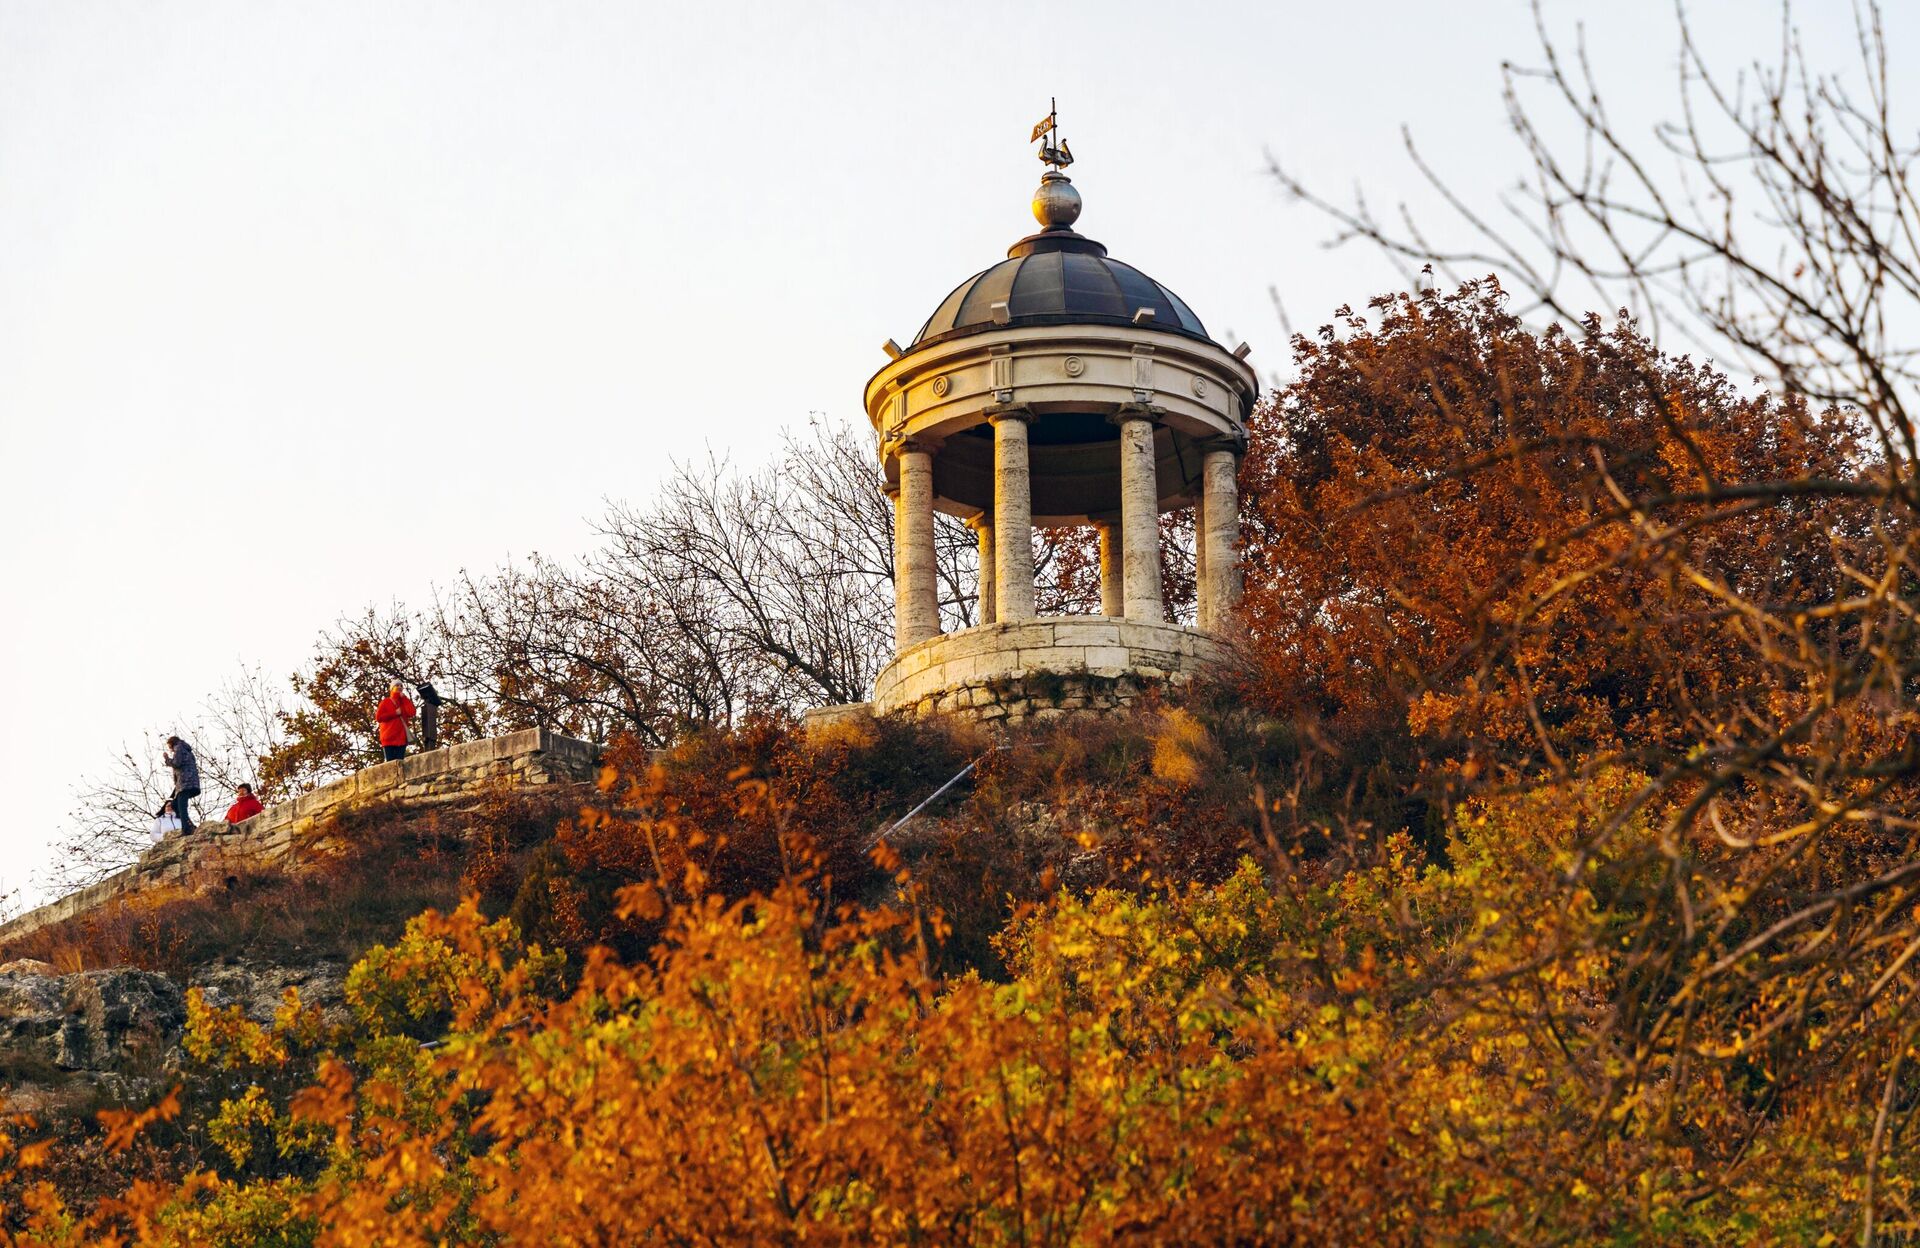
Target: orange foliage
[[1379, 1056], [1438, 529], [1186, 977]]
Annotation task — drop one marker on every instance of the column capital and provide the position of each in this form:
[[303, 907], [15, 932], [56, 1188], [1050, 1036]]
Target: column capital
[[1137, 411], [1237, 443], [917, 442], [979, 520], [1009, 411]]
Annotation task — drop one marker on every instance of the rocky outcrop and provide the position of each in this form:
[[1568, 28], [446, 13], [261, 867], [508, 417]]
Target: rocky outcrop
[[95, 1021], [33, 1009], [259, 989], [70, 1039]]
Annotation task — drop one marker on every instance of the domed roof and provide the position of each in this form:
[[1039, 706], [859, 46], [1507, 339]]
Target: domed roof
[[1058, 277]]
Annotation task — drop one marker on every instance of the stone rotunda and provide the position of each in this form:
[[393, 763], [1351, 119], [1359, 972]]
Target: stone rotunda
[[1058, 387]]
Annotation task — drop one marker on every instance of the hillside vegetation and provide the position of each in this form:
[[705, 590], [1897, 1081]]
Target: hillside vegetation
[[1545, 873]]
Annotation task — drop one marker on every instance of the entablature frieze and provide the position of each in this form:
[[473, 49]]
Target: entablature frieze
[[1195, 387]]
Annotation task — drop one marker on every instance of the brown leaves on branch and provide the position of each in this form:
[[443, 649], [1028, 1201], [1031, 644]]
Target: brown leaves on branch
[[1390, 1055], [1763, 598], [1564, 554], [1498, 535]]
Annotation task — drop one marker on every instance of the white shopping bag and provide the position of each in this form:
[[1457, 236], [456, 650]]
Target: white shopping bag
[[166, 823]]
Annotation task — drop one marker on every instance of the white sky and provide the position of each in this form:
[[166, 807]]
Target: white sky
[[307, 306]]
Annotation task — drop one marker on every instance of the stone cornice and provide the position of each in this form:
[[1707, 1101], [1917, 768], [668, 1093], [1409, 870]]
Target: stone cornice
[[1064, 367]]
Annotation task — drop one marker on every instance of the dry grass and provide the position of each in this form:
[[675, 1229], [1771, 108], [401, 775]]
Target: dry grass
[[1163, 793], [375, 868]]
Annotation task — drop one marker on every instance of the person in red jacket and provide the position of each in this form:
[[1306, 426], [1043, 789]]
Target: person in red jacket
[[395, 710], [245, 807]]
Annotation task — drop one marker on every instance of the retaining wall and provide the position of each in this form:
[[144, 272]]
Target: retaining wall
[[1041, 668], [271, 838]]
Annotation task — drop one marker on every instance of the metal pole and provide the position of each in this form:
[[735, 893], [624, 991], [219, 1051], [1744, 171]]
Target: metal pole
[[931, 799]]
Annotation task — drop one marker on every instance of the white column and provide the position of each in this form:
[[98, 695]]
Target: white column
[[1200, 550], [1219, 530], [916, 604], [982, 526], [1113, 588], [1012, 519], [1140, 521]]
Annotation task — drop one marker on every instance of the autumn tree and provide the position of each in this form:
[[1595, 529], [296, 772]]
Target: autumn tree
[[327, 733], [1441, 529], [1771, 222]]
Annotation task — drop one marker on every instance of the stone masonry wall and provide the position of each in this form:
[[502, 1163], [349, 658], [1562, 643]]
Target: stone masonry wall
[[1042, 668], [272, 837]]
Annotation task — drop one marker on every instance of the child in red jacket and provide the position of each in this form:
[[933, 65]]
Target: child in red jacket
[[246, 807]]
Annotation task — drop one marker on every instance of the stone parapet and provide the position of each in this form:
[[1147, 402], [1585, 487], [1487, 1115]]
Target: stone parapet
[[821, 719], [1040, 668], [271, 838]]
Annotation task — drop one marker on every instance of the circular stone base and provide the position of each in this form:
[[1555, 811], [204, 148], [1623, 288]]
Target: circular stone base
[[1042, 668]]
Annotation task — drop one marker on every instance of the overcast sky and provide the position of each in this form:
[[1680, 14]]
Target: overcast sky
[[308, 306]]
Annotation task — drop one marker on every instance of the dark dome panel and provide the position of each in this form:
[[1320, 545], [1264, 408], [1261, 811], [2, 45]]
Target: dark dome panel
[[1090, 285], [1187, 318], [1141, 291], [949, 307], [994, 286], [1039, 290], [1058, 277]]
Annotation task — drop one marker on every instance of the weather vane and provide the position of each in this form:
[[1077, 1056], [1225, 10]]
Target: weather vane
[[1059, 157]]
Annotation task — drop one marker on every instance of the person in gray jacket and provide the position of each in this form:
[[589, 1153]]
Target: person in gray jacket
[[186, 779]]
